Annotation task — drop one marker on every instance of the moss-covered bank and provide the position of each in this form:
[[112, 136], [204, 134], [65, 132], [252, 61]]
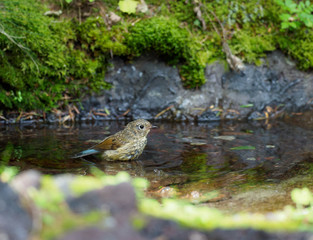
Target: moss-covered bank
[[48, 62]]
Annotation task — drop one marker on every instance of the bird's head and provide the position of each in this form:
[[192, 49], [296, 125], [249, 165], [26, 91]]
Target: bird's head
[[140, 126]]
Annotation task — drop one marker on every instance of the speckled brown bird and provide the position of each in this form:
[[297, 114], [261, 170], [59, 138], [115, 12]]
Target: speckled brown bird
[[124, 145]]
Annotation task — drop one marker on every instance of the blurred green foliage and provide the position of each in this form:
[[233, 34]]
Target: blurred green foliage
[[128, 6], [51, 203], [291, 218]]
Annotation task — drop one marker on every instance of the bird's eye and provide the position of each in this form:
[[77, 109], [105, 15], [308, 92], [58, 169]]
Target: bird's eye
[[141, 126]]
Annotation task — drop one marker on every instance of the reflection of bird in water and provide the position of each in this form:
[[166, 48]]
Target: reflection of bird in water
[[125, 145]]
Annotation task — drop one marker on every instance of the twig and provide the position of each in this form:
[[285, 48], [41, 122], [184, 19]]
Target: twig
[[76, 109], [197, 10], [2, 117], [100, 114], [234, 62], [126, 112], [163, 111], [24, 49], [19, 116]]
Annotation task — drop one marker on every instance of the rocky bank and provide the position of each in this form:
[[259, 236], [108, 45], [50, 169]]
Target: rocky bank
[[149, 88]]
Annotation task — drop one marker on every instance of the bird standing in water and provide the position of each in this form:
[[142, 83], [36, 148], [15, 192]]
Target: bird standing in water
[[124, 145]]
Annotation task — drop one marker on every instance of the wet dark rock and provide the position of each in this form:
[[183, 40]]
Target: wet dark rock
[[25, 180], [165, 229], [169, 230], [263, 86], [119, 201], [116, 200], [15, 222], [148, 88], [63, 182], [247, 234], [94, 233], [209, 115], [144, 88]]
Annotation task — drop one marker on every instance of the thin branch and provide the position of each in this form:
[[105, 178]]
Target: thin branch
[[24, 49], [221, 25], [234, 62]]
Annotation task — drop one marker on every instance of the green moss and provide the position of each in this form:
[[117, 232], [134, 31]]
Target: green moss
[[299, 45], [40, 61], [166, 37], [182, 11], [250, 46], [94, 34]]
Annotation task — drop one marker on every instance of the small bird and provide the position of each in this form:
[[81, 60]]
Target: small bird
[[124, 145]]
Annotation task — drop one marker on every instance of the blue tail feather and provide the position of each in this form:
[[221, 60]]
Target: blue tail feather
[[86, 153]]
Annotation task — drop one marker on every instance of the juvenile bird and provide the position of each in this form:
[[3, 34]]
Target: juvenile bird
[[125, 145]]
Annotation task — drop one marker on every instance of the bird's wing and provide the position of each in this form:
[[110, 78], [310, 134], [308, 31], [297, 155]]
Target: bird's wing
[[109, 143]]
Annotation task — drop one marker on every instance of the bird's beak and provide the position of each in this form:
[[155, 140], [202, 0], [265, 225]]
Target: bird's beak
[[154, 126]]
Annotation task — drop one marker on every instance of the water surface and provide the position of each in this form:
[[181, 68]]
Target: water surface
[[245, 166]]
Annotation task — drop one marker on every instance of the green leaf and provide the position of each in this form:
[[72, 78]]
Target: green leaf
[[291, 5], [197, 23], [293, 25], [285, 25], [107, 111], [280, 2], [285, 17], [68, 1], [301, 6], [247, 105], [308, 23], [243, 148], [307, 3], [128, 6]]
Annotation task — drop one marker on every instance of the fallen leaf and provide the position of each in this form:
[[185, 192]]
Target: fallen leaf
[[243, 148]]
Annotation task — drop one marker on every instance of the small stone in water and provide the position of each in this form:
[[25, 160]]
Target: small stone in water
[[195, 194], [198, 143], [227, 138], [167, 192]]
